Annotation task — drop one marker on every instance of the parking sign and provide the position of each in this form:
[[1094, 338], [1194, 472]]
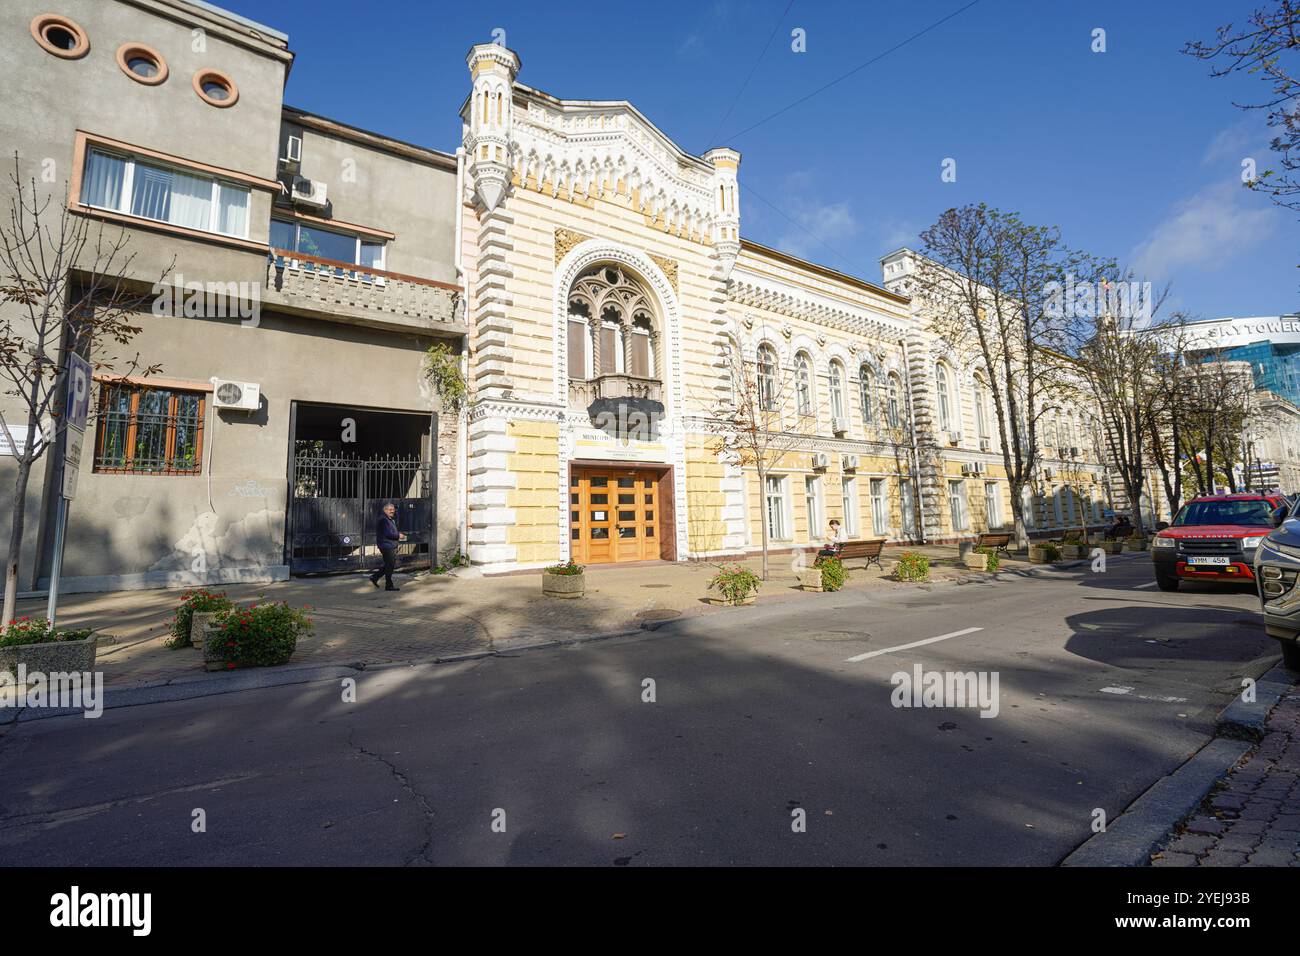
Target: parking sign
[[77, 405]]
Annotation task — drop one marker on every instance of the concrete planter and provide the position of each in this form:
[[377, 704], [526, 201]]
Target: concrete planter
[[564, 585], [723, 602], [1037, 555], [976, 561], [810, 579], [1135, 544], [200, 623], [1076, 551], [52, 656], [1112, 547]]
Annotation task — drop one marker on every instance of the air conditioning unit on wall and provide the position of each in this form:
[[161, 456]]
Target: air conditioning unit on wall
[[309, 192], [839, 426], [821, 460], [848, 462], [240, 396]]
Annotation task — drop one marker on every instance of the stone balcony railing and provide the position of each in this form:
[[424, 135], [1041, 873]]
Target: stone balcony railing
[[583, 392], [307, 285]]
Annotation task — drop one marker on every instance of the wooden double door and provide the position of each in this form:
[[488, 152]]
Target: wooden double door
[[613, 515]]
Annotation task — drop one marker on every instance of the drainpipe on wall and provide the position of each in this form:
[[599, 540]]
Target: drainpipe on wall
[[462, 429], [918, 499]]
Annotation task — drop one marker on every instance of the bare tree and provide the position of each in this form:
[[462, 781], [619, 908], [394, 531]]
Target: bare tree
[[1110, 330], [985, 282], [65, 287], [1266, 45], [749, 418]]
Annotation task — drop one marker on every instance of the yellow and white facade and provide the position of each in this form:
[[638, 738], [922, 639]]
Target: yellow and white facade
[[606, 285]]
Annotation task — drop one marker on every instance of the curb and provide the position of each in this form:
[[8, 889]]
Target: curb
[[1144, 826], [1243, 721], [1149, 820], [233, 682]]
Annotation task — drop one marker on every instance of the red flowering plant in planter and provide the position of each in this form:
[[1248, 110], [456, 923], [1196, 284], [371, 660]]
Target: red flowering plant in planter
[[259, 636], [24, 630], [195, 599]]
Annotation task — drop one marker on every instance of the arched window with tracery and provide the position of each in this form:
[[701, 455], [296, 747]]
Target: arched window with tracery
[[837, 390], [612, 327], [767, 377], [803, 388], [867, 395], [941, 380]]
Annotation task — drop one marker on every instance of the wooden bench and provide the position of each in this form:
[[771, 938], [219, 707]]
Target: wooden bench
[[868, 550], [997, 540]]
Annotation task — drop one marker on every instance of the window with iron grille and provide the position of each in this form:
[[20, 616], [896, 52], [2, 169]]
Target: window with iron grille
[[149, 431]]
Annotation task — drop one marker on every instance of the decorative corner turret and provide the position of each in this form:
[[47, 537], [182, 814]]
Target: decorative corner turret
[[493, 69], [726, 220]]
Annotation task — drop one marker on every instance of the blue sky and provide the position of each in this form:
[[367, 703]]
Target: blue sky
[[1135, 152]]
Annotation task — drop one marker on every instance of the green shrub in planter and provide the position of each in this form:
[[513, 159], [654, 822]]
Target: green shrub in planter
[[26, 631], [734, 583], [833, 573], [994, 560], [1052, 551], [42, 648], [259, 636], [196, 599], [566, 580], [913, 567]]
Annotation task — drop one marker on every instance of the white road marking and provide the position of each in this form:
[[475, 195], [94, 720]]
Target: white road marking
[[1157, 697], [903, 647], [1149, 584]]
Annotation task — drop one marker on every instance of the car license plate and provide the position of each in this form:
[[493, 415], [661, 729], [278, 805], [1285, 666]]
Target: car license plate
[[1220, 561]]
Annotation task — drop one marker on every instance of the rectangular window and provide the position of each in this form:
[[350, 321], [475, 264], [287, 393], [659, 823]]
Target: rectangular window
[[577, 349], [957, 505], [879, 508], [812, 493], [849, 502], [610, 359], [149, 431], [640, 354], [993, 504], [774, 506], [311, 240], [150, 190]]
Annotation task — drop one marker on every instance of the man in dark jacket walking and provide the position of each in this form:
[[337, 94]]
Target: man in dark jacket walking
[[387, 537]]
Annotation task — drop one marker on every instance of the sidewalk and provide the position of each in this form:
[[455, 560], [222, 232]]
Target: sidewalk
[[1252, 816], [441, 616]]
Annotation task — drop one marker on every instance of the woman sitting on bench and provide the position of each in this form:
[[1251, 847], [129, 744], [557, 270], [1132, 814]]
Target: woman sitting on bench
[[834, 541]]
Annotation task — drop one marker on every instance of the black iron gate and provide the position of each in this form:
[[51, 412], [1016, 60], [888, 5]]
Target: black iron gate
[[335, 504]]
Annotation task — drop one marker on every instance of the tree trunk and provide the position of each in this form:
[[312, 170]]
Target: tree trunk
[[16, 540], [762, 512]]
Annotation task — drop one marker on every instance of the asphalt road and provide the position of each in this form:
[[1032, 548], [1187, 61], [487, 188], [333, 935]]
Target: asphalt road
[[1104, 686]]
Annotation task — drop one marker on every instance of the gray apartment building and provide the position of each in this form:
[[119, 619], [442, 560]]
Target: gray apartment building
[[309, 267]]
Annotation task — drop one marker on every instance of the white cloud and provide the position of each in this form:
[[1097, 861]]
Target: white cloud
[[828, 222], [1209, 228]]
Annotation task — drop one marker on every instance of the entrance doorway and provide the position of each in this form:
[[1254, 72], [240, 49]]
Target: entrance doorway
[[614, 515], [345, 464]]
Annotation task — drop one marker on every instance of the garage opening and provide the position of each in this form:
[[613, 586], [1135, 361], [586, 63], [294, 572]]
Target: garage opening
[[346, 463]]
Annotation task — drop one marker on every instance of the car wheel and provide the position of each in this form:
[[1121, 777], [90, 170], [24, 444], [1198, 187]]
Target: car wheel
[[1167, 582], [1290, 655]]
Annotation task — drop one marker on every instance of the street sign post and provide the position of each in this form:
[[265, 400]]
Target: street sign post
[[76, 409]]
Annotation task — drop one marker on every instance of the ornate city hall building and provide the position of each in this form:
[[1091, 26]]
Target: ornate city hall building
[[608, 288]]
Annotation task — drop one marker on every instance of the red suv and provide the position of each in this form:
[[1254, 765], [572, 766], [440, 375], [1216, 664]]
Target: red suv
[[1214, 539]]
